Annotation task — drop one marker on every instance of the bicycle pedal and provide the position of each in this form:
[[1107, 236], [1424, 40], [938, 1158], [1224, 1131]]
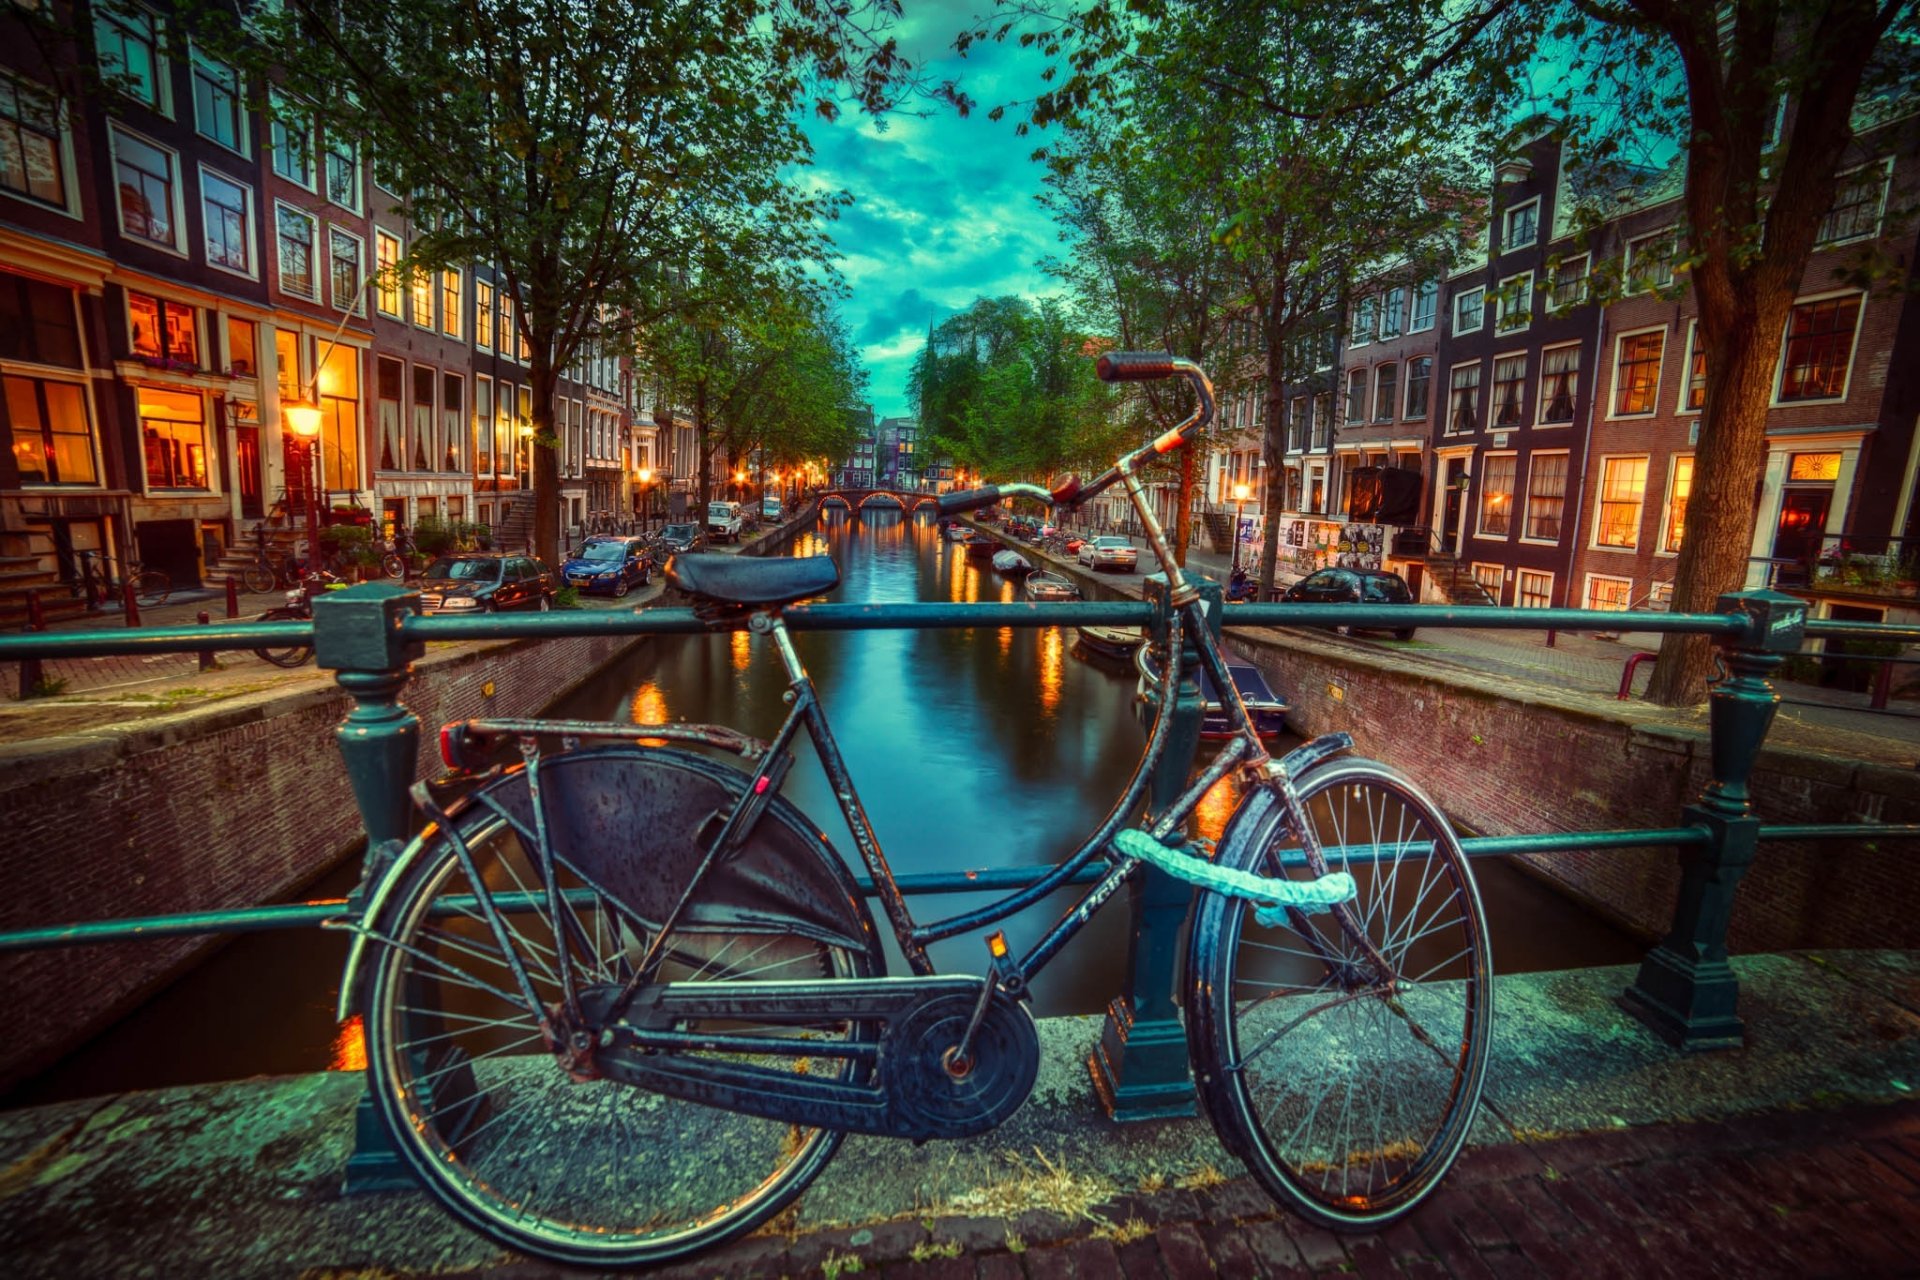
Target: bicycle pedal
[[1006, 973]]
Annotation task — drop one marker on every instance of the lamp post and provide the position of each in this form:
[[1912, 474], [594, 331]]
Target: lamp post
[[304, 418], [1239, 504]]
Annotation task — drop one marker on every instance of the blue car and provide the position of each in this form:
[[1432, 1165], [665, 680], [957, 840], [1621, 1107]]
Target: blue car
[[614, 566]]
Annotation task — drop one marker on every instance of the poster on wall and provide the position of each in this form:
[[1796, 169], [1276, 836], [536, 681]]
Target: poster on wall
[[1296, 533], [1360, 546]]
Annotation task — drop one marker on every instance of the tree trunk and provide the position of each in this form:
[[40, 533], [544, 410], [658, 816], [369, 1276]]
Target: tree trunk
[[543, 461], [701, 430], [1183, 515], [1273, 447]]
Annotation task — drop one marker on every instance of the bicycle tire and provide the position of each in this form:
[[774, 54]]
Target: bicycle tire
[[151, 587], [595, 1172], [291, 655], [258, 578], [394, 565], [1349, 1110]]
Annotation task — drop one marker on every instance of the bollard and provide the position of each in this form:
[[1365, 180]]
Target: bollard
[[355, 635], [1685, 990], [206, 655], [1882, 685], [129, 603], [1140, 1065], [32, 676], [233, 596]]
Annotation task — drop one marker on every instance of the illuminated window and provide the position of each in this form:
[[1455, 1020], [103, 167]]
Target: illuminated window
[[1677, 491], [51, 434], [1636, 372], [1496, 494], [1536, 589], [163, 330], [386, 294], [420, 295], [1819, 347], [1546, 496], [450, 306], [173, 436], [482, 314], [1623, 488], [1609, 593], [1814, 466]]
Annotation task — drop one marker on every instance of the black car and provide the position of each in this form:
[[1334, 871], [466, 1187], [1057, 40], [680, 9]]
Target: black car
[[680, 537], [1353, 586], [483, 582], [611, 564]]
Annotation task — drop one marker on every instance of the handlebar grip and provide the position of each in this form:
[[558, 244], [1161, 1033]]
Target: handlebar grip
[[1134, 366], [952, 504]]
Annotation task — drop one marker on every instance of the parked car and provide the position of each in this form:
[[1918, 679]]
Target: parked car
[[680, 537], [769, 508], [613, 565], [480, 582], [724, 521], [1353, 586], [1109, 551]]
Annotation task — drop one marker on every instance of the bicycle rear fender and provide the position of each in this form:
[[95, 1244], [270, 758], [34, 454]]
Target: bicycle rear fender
[[636, 821]]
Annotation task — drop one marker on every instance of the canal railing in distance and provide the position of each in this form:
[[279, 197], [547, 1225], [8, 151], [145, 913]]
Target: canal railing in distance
[[1685, 989]]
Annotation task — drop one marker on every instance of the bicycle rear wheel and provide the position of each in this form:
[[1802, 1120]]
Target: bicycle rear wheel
[[394, 565], [152, 587], [286, 655], [258, 577], [1348, 1097], [592, 1171]]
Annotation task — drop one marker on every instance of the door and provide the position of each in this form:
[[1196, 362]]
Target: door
[[1451, 525], [1803, 522], [246, 438]]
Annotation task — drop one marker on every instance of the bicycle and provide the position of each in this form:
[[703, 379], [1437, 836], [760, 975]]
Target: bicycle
[[264, 574], [622, 1002], [299, 606], [151, 587], [398, 554]]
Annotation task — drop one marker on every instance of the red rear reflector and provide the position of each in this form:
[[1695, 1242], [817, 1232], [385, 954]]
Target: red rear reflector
[[446, 748], [760, 786]]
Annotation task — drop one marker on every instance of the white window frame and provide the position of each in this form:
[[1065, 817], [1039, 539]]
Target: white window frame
[[1366, 320], [1586, 591], [1406, 383], [1520, 588], [1523, 502], [279, 276], [455, 315], [162, 100], [1853, 349], [1613, 375], [63, 157], [1600, 500], [492, 309], [1507, 244], [1510, 316], [1686, 366], [1397, 310], [1393, 405], [1481, 495], [1432, 288], [1497, 572], [382, 279], [1492, 387], [1669, 233], [359, 181], [1583, 289], [1479, 394], [242, 144], [1885, 165], [202, 356], [1540, 387], [1666, 502], [247, 218], [1348, 416], [1479, 292], [176, 193], [357, 306], [274, 150]]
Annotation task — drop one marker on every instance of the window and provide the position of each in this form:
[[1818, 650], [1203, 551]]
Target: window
[[1559, 383], [1424, 295], [1546, 497], [1678, 489], [1859, 197], [420, 430], [296, 232], [292, 145], [128, 42], [1393, 312], [1386, 392], [1509, 390], [1536, 589], [37, 322], [1819, 348], [1419, 385], [1322, 422], [420, 289], [240, 357], [173, 438], [1636, 372], [503, 340], [1496, 494], [1609, 593], [1297, 437], [31, 151], [286, 356], [340, 162], [482, 424], [1356, 395], [1569, 283], [1463, 402], [482, 314], [228, 213], [1523, 226], [388, 374], [1693, 397], [1363, 320], [163, 331], [344, 268], [453, 419], [386, 265], [1623, 485], [1469, 308], [1489, 577], [50, 432], [450, 309], [1516, 303], [218, 110], [1650, 261], [145, 176], [338, 379]]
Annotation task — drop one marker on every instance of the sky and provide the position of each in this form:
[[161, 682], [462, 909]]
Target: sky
[[943, 207]]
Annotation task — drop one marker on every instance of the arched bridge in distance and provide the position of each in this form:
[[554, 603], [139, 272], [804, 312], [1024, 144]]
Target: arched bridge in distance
[[908, 500]]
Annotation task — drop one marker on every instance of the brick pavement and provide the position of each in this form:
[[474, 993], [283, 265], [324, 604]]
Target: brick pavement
[[1809, 1193]]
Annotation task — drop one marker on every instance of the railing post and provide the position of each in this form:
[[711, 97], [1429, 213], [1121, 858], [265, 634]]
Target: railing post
[[356, 635], [1140, 1065], [1686, 990]]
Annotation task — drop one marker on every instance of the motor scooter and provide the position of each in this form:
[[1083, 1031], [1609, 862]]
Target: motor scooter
[[1241, 587]]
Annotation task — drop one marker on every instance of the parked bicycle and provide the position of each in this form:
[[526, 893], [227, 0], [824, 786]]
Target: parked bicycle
[[267, 571], [396, 555], [151, 587], [622, 1002], [299, 606]]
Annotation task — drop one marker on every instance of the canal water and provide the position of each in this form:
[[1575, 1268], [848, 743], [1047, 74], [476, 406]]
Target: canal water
[[981, 748]]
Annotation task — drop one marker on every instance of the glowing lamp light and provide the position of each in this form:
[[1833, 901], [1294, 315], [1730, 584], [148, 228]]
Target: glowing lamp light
[[1240, 493], [304, 419], [646, 475]]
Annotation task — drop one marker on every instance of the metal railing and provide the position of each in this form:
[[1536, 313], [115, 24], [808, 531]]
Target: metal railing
[[1685, 991]]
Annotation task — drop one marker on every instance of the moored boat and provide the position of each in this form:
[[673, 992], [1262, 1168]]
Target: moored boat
[[1265, 705], [1050, 587], [1011, 563], [957, 532], [979, 548], [1112, 642]]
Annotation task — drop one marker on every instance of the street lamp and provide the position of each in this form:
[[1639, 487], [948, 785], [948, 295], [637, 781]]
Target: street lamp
[[645, 476], [304, 419], [1240, 492]]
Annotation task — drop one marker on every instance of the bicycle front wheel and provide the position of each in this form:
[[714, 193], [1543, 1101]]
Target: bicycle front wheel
[[566, 1164], [257, 578], [394, 565], [1347, 1091], [152, 587]]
